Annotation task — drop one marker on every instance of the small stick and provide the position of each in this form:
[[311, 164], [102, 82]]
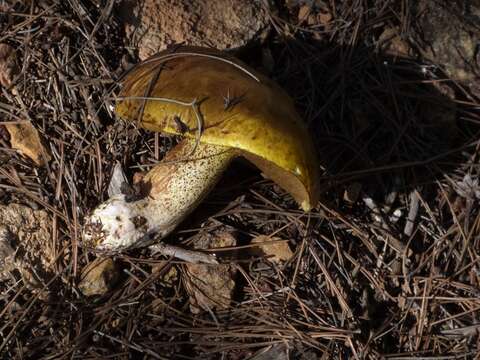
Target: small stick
[[412, 214], [191, 256]]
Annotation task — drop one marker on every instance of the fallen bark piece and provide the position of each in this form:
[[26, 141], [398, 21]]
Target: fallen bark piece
[[277, 251], [25, 247], [450, 34], [99, 277], [26, 139], [210, 286]]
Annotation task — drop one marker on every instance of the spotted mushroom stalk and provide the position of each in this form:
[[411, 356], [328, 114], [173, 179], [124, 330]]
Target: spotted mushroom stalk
[[223, 109]]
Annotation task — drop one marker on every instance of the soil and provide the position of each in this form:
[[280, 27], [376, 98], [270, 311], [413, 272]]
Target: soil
[[25, 243]]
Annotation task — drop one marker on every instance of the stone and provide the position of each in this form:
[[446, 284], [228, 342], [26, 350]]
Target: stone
[[25, 245], [153, 25], [450, 32]]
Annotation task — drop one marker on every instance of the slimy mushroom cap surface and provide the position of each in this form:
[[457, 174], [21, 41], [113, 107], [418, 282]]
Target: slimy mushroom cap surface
[[236, 107]]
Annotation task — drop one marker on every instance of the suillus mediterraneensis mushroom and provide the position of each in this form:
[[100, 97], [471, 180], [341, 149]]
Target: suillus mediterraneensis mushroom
[[223, 109]]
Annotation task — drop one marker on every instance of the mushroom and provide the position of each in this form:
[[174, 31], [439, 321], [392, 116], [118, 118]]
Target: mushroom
[[223, 109]]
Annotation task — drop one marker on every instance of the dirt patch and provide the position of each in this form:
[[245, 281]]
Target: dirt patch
[[25, 243]]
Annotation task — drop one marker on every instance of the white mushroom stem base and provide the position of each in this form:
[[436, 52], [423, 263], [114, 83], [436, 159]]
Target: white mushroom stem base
[[174, 188]]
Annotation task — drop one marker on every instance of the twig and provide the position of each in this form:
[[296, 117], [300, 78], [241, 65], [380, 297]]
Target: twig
[[412, 214], [192, 256]]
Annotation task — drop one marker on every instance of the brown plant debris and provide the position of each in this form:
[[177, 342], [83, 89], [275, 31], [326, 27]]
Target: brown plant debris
[[277, 352], [210, 286], [450, 32], [8, 66]]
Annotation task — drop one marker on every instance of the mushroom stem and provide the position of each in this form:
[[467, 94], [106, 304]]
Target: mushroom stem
[[172, 189]]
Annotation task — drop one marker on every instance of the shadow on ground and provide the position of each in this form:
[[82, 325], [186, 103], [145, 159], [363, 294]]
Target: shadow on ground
[[373, 115]]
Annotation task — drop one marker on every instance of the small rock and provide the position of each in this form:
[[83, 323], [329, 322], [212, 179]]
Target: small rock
[[277, 251], [451, 32], [153, 25], [25, 139], [25, 244], [117, 181], [138, 177], [99, 277]]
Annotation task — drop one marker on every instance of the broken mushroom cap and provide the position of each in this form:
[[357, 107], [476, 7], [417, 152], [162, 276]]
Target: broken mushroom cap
[[207, 95]]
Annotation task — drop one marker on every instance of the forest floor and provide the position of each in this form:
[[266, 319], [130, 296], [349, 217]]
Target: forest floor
[[386, 266]]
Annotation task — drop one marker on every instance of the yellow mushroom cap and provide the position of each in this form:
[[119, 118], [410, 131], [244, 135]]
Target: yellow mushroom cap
[[238, 107]]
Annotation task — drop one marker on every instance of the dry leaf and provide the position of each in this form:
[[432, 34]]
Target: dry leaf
[[210, 286], [23, 136], [99, 277], [26, 139], [276, 251]]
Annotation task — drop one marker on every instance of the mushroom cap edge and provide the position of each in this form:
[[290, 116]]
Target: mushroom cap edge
[[235, 106]]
